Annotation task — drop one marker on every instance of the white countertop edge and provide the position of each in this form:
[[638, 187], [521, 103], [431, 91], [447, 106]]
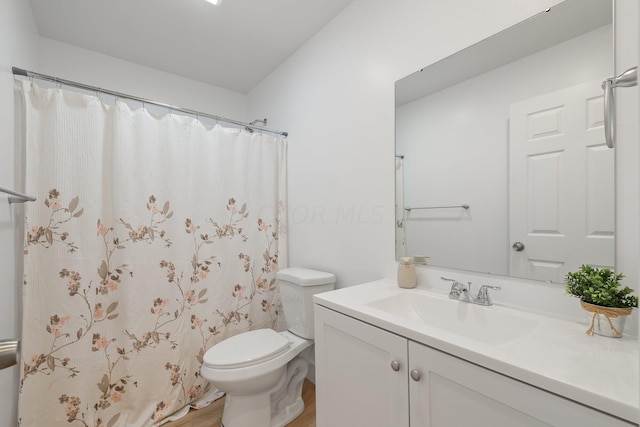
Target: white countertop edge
[[350, 301]]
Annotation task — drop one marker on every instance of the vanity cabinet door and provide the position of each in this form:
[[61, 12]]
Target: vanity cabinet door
[[361, 373], [452, 392]]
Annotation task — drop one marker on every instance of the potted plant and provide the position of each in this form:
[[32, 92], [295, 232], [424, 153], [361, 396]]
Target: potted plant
[[602, 295]]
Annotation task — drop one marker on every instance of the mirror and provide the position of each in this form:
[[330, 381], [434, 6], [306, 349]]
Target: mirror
[[501, 163]]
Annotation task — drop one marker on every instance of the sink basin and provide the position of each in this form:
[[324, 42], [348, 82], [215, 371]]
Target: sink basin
[[490, 325]]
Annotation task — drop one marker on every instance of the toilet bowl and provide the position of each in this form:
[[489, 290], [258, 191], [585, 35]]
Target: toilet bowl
[[262, 371]]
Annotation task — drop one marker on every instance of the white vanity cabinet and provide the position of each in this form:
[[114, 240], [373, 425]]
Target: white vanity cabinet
[[452, 392], [361, 374], [368, 377]]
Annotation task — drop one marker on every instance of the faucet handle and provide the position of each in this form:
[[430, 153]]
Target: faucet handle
[[457, 288], [483, 294]]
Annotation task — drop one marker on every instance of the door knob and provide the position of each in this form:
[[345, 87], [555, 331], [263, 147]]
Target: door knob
[[415, 375], [518, 246], [395, 365]]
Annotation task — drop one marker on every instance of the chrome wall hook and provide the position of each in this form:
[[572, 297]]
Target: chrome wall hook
[[8, 353], [627, 78]]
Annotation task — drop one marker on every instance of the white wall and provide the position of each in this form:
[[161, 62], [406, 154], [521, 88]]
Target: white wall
[[335, 96], [455, 144], [18, 47], [84, 66], [627, 18]]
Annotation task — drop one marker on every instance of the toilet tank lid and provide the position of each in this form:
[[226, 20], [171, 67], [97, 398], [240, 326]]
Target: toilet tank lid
[[305, 277]]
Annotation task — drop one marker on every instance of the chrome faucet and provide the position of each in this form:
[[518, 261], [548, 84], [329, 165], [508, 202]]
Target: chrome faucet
[[483, 297], [459, 291], [462, 292]]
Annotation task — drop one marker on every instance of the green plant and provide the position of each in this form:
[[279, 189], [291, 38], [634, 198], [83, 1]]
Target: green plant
[[600, 286]]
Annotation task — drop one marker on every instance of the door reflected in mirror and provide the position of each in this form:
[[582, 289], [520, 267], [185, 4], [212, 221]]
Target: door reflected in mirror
[[512, 128]]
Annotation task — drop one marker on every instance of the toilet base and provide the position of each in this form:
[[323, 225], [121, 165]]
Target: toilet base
[[274, 408], [288, 414], [286, 402], [245, 411], [283, 418]]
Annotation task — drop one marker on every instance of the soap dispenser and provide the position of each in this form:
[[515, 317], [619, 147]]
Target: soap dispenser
[[406, 273]]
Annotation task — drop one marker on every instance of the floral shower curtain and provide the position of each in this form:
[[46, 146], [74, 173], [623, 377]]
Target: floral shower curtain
[[153, 238]]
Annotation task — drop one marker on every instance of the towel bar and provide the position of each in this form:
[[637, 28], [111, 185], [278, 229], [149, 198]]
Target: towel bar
[[15, 197], [8, 353], [465, 206]]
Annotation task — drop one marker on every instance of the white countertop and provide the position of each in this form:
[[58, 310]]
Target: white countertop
[[557, 356]]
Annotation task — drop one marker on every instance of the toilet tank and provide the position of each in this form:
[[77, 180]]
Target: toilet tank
[[297, 287]]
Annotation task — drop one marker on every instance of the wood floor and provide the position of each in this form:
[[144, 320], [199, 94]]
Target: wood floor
[[211, 416]]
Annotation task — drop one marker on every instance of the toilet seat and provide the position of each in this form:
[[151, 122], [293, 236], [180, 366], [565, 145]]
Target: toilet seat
[[246, 349]]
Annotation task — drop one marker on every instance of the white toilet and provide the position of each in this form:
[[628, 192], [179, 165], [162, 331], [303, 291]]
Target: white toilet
[[261, 371]]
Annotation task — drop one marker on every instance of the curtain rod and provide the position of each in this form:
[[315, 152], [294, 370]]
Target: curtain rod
[[30, 74]]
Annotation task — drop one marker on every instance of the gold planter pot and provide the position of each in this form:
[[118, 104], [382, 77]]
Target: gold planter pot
[[606, 321]]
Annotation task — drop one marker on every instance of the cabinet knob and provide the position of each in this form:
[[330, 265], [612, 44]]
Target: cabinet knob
[[415, 375], [395, 365]]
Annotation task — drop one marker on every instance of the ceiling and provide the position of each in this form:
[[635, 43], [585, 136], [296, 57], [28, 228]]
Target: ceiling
[[233, 46]]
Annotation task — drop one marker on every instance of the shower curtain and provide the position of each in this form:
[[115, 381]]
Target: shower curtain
[[152, 239]]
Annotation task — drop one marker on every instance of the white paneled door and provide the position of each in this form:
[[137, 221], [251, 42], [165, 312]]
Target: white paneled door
[[561, 184]]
